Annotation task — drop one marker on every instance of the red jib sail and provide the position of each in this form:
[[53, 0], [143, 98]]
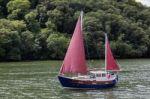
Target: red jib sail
[[110, 61], [74, 61]]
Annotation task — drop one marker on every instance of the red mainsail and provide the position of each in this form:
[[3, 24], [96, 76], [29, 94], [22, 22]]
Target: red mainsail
[[74, 61], [110, 61]]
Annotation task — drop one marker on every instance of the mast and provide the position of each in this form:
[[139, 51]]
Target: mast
[[81, 16], [81, 25], [105, 51]]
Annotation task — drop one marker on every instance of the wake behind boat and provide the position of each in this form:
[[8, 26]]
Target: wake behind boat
[[74, 72]]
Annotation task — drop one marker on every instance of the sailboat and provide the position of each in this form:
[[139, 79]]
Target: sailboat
[[74, 72]]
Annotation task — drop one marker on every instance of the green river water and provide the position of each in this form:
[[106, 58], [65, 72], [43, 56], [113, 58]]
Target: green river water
[[38, 80]]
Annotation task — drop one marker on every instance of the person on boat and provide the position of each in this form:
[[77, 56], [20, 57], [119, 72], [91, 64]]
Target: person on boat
[[109, 76]]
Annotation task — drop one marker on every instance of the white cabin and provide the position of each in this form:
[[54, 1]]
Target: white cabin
[[97, 76], [101, 75]]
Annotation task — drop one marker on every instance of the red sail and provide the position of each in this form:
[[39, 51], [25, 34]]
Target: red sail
[[110, 61], [74, 61]]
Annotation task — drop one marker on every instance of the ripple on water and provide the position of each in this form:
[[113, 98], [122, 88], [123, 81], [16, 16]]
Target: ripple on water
[[24, 81]]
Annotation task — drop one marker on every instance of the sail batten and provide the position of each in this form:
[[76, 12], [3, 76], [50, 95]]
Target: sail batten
[[74, 61]]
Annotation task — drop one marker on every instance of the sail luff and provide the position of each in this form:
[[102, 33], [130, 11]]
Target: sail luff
[[74, 61], [105, 51]]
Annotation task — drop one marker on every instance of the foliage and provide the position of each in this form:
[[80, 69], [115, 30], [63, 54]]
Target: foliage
[[17, 8], [40, 29], [9, 44], [57, 45]]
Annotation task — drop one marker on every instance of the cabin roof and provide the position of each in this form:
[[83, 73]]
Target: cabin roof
[[98, 72]]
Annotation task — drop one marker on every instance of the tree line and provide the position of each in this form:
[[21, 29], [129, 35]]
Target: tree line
[[41, 29]]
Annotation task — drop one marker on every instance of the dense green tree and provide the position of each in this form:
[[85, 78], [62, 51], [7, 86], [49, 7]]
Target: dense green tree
[[29, 46], [14, 25], [10, 45], [10, 40], [32, 24], [17, 8], [40, 29], [57, 45]]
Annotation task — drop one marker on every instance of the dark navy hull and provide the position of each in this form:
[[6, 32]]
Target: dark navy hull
[[82, 84]]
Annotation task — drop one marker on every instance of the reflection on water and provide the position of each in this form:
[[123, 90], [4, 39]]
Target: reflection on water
[[38, 80]]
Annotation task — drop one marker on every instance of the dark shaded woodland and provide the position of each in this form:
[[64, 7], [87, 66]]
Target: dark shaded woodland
[[41, 29]]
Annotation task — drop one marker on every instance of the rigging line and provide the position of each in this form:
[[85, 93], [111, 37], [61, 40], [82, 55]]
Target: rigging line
[[87, 50], [84, 35]]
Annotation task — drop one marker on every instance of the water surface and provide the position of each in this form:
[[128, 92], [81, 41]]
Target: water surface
[[38, 80]]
